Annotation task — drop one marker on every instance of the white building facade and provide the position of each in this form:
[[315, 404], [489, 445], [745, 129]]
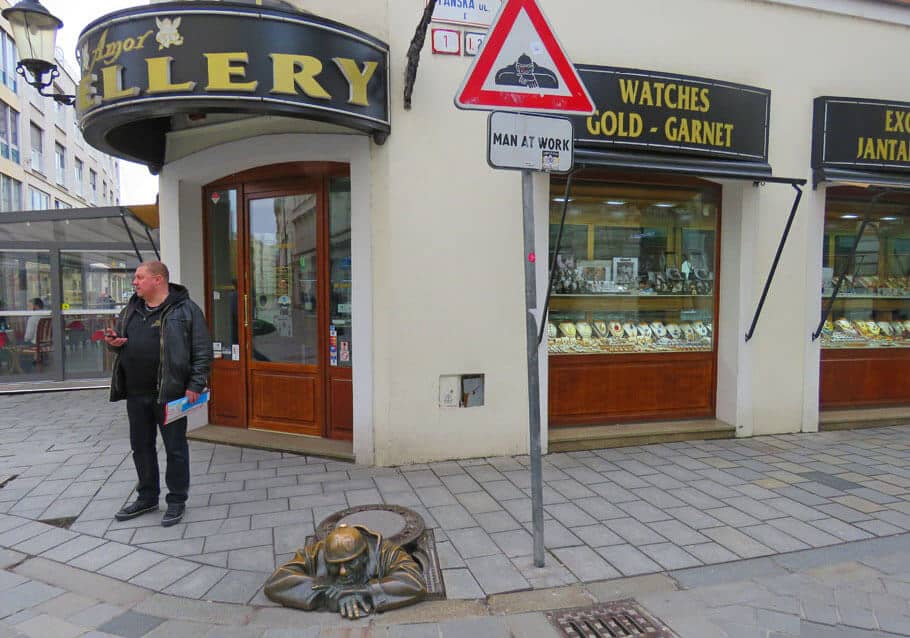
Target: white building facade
[[365, 281]]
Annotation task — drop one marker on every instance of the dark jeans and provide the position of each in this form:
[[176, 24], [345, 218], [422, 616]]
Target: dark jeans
[[146, 416]]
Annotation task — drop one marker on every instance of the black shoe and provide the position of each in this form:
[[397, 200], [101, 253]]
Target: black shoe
[[134, 509], [173, 514]]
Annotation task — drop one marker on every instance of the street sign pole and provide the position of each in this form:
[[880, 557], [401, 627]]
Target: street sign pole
[[527, 201], [522, 68]]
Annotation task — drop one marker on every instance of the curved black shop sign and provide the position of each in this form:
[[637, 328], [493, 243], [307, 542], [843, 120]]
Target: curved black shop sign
[[143, 65]]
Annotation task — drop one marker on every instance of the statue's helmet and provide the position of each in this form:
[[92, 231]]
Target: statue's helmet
[[524, 64], [344, 544]]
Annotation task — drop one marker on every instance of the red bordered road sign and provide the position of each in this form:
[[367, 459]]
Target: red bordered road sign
[[522, 67]]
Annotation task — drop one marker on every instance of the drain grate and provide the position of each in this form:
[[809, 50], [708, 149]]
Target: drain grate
[[617, 619]]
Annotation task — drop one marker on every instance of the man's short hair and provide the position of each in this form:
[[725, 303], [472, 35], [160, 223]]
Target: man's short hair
[[156, 268], [38, 302]]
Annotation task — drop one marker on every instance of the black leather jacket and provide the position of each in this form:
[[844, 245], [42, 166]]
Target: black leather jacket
[[186, 348]]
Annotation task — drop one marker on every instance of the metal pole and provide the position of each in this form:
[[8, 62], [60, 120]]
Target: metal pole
[[527, 201]]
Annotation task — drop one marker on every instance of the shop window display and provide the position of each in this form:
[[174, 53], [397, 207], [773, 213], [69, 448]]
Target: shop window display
[[636, 269], [872, 306]]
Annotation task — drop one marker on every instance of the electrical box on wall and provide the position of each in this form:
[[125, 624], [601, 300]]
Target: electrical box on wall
[[461, 390]]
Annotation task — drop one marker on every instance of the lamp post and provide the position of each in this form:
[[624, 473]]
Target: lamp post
[[35, 32]]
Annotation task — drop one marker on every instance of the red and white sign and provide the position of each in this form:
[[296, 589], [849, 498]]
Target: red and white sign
[[522, 67]]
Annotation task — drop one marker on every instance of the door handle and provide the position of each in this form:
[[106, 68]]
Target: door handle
[[246, 311]]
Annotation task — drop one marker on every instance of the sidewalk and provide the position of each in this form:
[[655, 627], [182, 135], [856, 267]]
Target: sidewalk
[[662, 515]]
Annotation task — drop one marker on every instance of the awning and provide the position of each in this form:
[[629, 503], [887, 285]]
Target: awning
[[756, 172], [99, 228], [697, 167], [862, 179]]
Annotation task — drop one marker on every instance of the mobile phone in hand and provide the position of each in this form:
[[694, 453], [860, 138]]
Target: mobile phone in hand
[[110, 332]]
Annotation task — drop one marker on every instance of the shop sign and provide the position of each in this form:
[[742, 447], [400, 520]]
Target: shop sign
[[861, 134], [142, 65], [662, 112], [478, 13]]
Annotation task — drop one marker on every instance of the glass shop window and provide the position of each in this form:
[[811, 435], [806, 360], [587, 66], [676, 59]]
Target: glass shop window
[[635, 270], [866, 257]]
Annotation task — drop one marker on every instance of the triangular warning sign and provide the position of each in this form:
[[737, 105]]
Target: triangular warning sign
[[522, 67]]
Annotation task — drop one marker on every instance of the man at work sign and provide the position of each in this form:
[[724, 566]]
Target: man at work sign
[[530, 142]]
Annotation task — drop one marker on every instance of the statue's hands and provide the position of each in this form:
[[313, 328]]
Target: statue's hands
[[332, 591], [354, 605]]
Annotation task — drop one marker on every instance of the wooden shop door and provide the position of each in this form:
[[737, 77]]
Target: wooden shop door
[[288, 303]]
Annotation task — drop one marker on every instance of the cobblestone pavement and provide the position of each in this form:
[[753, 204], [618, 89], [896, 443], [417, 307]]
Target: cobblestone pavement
[[722, 518]]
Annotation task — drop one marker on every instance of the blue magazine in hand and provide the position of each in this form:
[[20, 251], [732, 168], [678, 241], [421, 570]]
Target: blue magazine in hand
[[179, 408]]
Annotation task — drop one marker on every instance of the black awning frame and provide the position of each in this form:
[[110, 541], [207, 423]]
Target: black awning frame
[[863, 179], [755, 172]]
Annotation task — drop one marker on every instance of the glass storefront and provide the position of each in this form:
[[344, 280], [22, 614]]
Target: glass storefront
[[26, 329], [95, 286], [635, 272], [872, 306], [64, 277]]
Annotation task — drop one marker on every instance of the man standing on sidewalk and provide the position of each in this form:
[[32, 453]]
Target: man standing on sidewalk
[[163, 353]]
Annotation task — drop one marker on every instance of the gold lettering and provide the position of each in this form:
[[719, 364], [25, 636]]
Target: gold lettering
[[140, 41], [707, 101], [222, 71], [159, 71], [594, 123], [646, 98], [357, 79], [112, 77], [87, 94], [659, 91], [671, 102], [290, 71], [628, 89]]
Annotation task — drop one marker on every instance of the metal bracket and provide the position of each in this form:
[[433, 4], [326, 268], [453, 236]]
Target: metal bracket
[[780, 250], [840, 279], [562, 224]]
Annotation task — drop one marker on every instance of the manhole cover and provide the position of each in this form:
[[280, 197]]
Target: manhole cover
[[397, 524], [618, 619]]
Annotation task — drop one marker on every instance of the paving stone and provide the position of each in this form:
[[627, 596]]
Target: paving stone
[[460, 584], [237, 587], [478, 502], [678, 533], [164, 573], [101, 556], [634, 532], [710, 553], [28, 594], [841, 530], [740, 544], [475, 628], [628, 560], [238, 540], [196, 583], [132, 564], [472, 542], [585, 563], [496, 574], [774, 538], [694, 518], [131, 625], [804, 532], [44, 625], [186, 547], [95, 615], [252, 559]]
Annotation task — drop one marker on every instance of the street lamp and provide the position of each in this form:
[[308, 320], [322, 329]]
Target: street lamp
[[35, 31]]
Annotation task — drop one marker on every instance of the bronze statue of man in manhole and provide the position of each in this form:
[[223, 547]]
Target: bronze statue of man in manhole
[[353, 571]]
